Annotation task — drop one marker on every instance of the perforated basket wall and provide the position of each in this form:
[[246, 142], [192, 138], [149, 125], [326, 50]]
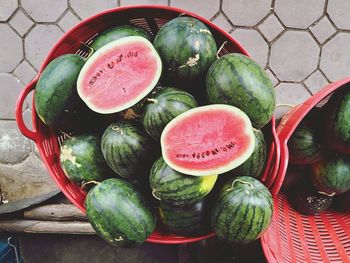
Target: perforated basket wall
[[76, 40], [293, 237]]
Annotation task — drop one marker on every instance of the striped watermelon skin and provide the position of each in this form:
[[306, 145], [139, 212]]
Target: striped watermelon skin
[[187, 49], [237, 80], [304, 145], [82, 160], [256, 162], [337, 121], [178, 189], [331, 174], [128, 149], [243, 210], [118, 213], [187, 220], [167, 103], [116, 33]]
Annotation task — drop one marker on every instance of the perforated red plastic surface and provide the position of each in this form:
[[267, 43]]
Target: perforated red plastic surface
[[150, 18], [293, 237]]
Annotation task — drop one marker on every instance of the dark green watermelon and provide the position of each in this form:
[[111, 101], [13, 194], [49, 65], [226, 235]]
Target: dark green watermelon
[[308, 201], [187, 49], [56, 99], [118, 213], [239, 81], [337, 121], [294, 175], [176, 188], [186, 220], [243, 210], [166, 104], [256, 162], [304, 145], [331, 175], [116, 33], [82, 160], [128, 149]]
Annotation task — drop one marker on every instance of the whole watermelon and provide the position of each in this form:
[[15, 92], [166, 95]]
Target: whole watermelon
[[337, 121], [243, 210], [128, 149], [187, 49], [166, 104], [185, 220], [116, 33], [239, 81], [82, 160], [56, 99], [118, 213], [177, 189], [255, 163], [304, 145], [331, 174]]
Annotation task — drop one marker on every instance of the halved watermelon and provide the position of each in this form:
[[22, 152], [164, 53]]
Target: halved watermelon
[[119, 74], [208, 140]]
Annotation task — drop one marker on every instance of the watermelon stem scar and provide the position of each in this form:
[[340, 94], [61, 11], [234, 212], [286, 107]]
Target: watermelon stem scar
[[241, 181], [89, 182], [152, 100], [154, 194], [324, 193]]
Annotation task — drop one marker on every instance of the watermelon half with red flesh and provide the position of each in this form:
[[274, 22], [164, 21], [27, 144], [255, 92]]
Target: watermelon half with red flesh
[[208, 140], [119, 74]]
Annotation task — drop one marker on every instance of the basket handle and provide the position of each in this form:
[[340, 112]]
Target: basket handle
[[33, 135]]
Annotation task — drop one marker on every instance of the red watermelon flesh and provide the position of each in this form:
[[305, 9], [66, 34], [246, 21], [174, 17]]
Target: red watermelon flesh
[[208, 140], [119, 75]]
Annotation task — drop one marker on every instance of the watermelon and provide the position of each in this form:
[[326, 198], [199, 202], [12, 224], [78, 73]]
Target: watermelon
[[116, 33], [294, 175], [127, 148], [82, 160], [337, 121], [187, 49], [186, 220], [118, 213], [331, 175], [119, 74], [208, 140], [172, 187], [304, 145], [166, 104], [255, 163], [243, 210], [308, 201], [56, 100], [239, 81]]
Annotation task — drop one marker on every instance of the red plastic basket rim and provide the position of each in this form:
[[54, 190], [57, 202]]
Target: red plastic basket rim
[[33, 135]]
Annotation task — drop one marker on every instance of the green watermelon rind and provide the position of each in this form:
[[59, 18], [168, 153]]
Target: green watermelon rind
[[177, 189], [118, 213], [127, 148], [82, 160], [55, 93], [216, 170], [105, 50], [165, 105], [239, 81], [243, 210], [116, 33]]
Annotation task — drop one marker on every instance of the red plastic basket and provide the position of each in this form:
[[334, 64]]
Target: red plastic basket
[[293, 237], [150, 18]]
